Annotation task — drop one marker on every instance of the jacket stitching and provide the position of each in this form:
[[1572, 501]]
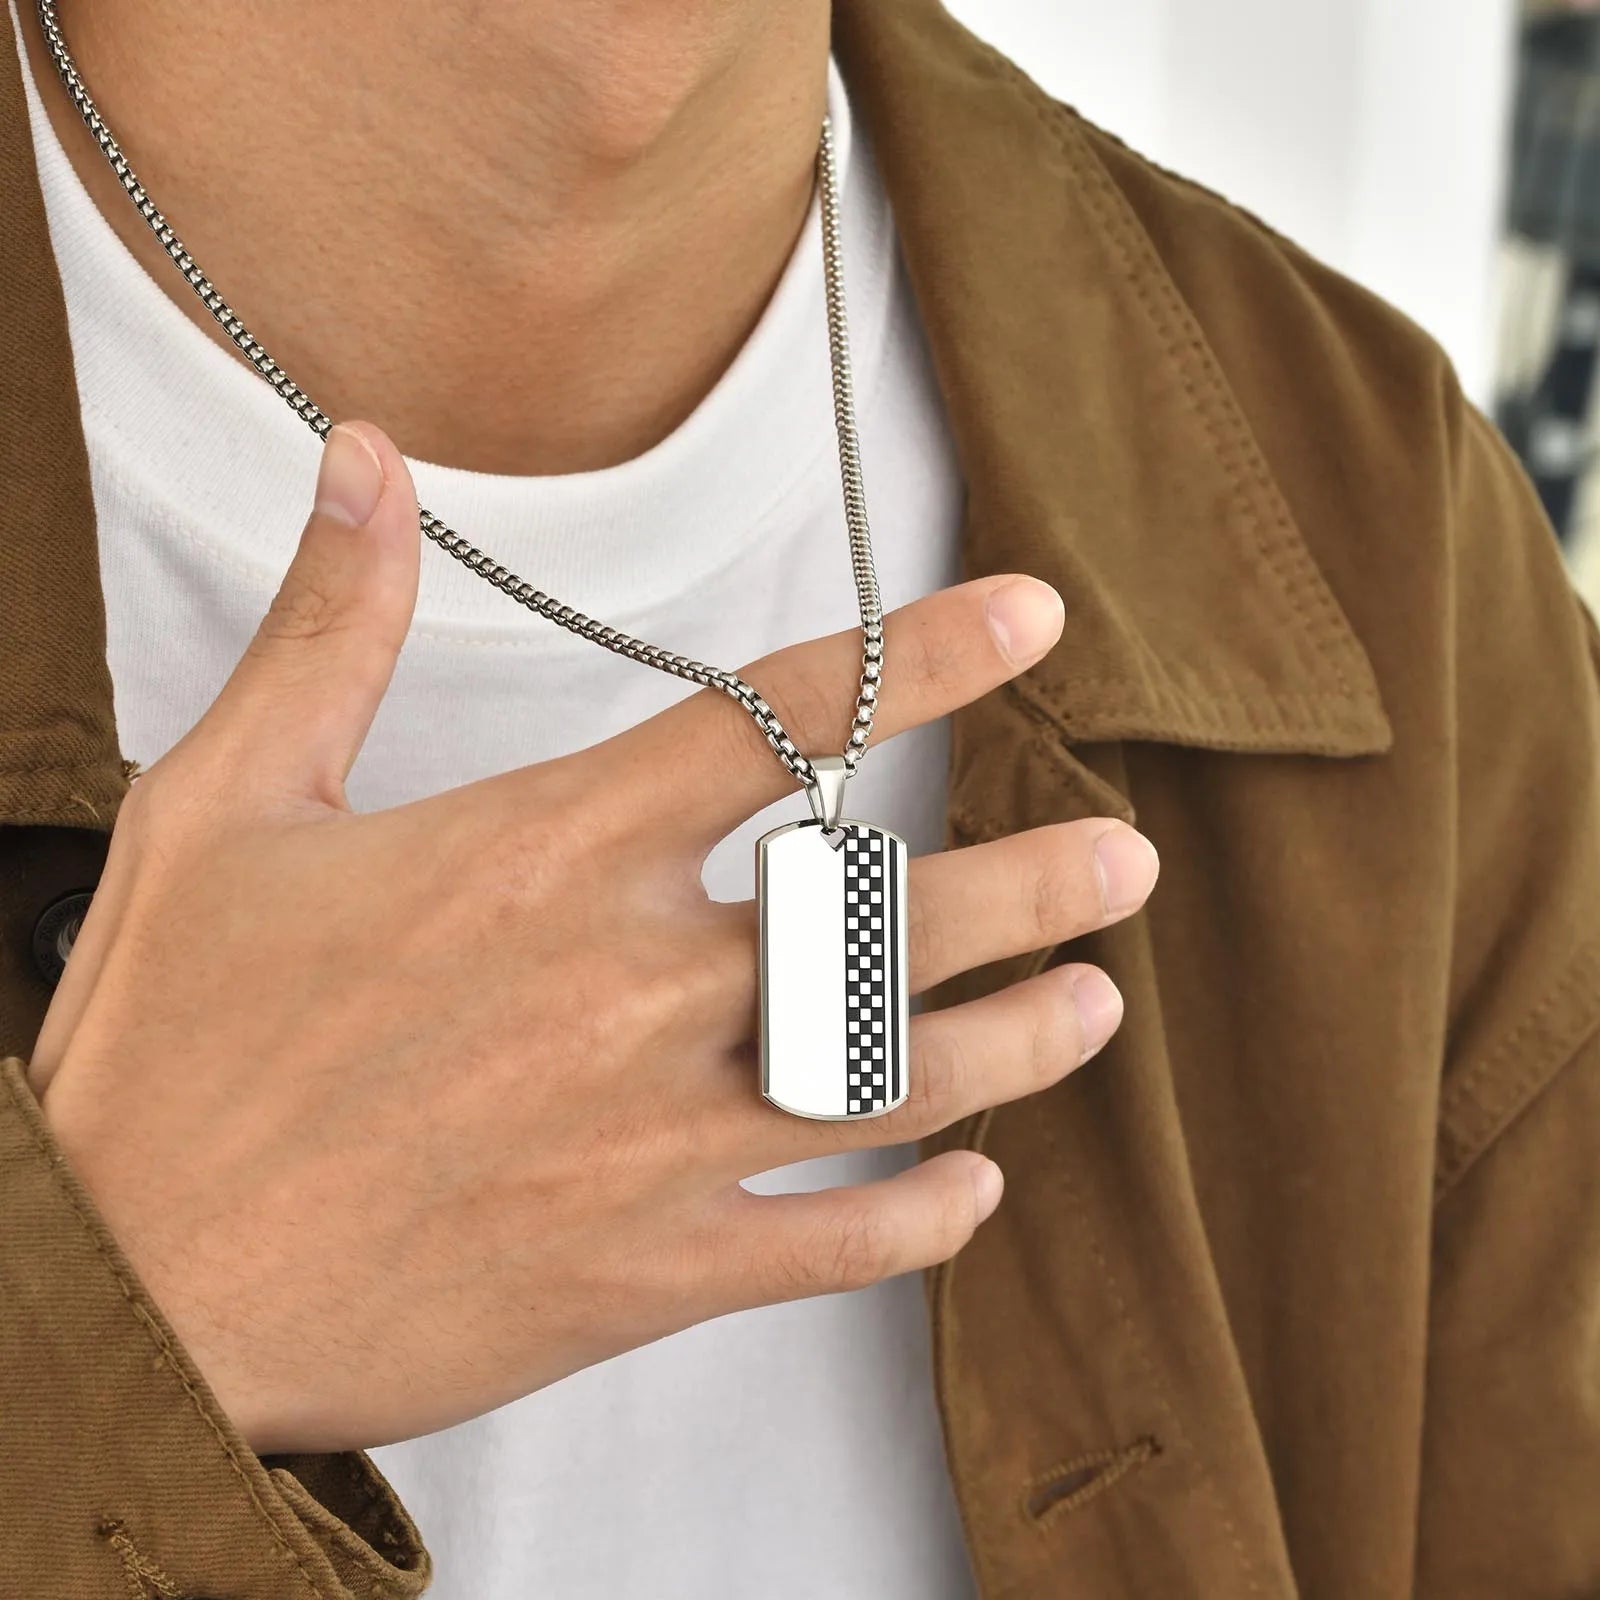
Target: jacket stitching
[[1053, 117], [1471, 1092], [377, 1508], [81, 769], [1193, 186], [976, 1529], [1182, 338], [361, 1550], [1313, 703], [1215, 408], [1062, 1172], [1327, 730], [1181, 352], [959, 822], [142, 1576], [1108, 1467], [1308, 601], [161, 1343]]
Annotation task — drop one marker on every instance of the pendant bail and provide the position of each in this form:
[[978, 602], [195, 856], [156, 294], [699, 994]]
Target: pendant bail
[[827, 793]]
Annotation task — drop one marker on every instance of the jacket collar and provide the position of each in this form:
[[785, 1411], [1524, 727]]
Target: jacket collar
[[1101, 445], [1099, 440]]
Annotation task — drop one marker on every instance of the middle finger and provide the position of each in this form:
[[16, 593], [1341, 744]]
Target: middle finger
[[1022, 893], [979, 904]]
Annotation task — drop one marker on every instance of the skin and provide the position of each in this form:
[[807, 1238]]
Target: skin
[[402, 1115], [618, 183]]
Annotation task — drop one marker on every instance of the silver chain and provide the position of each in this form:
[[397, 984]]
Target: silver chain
[[486, 567]]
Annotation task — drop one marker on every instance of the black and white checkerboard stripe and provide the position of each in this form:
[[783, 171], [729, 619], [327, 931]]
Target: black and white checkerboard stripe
[[871, 1010]]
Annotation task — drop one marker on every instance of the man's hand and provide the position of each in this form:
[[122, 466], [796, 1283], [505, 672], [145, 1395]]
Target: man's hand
[[402, 1115]]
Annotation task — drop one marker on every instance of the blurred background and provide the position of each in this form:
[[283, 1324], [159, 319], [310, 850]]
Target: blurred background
[[1446, 153]]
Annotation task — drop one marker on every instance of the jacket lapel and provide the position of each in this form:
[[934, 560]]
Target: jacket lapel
[[59, 761], [1102, 447]]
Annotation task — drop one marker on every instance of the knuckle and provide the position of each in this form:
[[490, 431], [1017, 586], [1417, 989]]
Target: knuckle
[[926, 938], [856, 1249], [622, 1012], [1045, 1030], [170, 808], [954, 1218], [627, 1007], [810, 704], [792, 1274], [942, 1079], [849, 1250], [734, 739], [1054, 892], [941, 665], [681, 977], [718, 978], [1054, 1033], [569, 811], [664, 995], [306, 606]]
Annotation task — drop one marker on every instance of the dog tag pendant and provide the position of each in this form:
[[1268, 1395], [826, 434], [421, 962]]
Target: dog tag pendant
[[835, 1006]]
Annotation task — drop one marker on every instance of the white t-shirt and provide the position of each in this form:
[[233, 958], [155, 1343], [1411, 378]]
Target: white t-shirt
[[790, 1453]]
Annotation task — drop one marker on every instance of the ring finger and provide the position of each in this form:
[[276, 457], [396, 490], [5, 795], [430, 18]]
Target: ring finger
[[964, 1059]]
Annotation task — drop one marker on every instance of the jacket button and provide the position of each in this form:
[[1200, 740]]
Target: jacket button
[[55, 931]]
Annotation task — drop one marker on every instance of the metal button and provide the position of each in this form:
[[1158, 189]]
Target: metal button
[[55, 932]]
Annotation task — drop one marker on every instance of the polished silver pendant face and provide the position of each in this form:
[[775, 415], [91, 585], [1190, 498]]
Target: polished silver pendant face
[[835, 1006]]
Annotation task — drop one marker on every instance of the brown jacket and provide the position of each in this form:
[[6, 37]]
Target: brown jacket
[[1297, 1290]]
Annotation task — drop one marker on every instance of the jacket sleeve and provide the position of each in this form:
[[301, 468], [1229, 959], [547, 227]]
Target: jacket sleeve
[[119, 1473], [1510, 1496]]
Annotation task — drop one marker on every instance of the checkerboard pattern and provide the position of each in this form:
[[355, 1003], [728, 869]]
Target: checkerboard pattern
[[870, 1018]]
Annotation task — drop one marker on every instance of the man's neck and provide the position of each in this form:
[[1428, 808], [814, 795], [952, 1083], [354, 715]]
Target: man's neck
[[524, 238]]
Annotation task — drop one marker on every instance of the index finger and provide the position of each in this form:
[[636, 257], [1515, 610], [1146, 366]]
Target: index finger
[[705, 761]]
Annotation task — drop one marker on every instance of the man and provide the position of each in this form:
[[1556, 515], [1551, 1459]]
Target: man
[[378, 1093]]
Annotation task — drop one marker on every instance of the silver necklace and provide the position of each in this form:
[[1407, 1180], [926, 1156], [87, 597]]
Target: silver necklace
[[831, 891]]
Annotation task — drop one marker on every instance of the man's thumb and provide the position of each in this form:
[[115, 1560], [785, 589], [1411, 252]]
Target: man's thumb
[[297, 707]]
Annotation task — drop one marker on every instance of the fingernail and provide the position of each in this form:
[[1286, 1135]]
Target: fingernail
[[1025, 618], [1099, 1003], [988, 1183], [1127, 864], [350, 479]]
